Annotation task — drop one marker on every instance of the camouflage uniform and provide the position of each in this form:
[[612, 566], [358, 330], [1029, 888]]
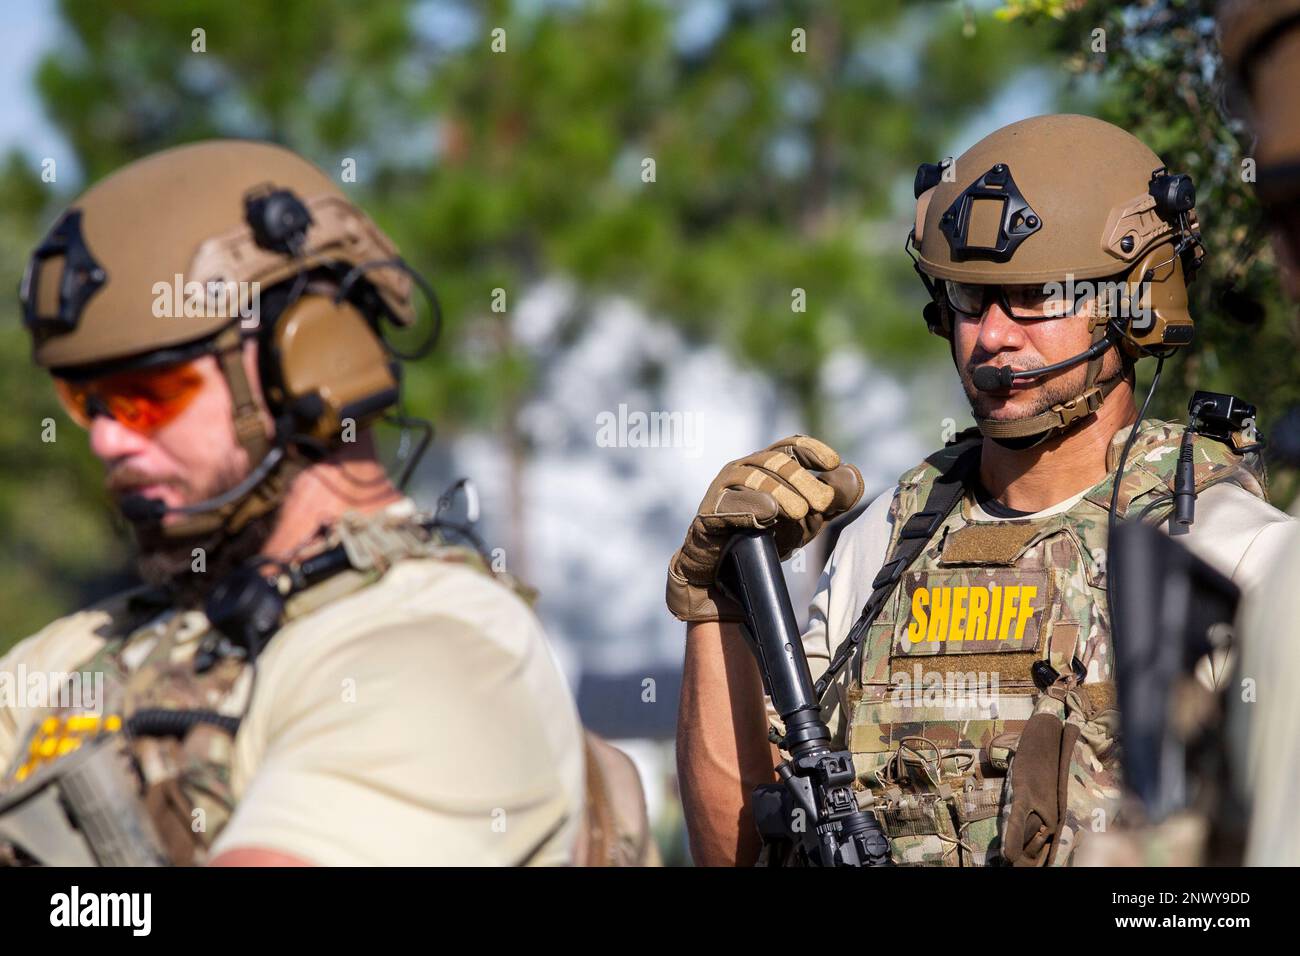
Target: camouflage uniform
[[936, 765]]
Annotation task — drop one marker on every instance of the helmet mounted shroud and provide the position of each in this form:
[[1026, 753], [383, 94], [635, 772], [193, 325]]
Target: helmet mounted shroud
[[80, 278], [990, 201]]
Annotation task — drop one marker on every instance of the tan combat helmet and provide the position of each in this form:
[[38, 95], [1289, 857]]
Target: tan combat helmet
[[1058, 198], [1261, 51], [193, 249]]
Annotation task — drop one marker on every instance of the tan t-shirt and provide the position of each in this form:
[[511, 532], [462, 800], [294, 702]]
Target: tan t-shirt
[[1268, 710], [420, 721], [1235, 532]]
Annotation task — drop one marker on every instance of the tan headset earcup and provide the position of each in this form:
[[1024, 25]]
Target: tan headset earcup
[[1170, 324], [329, 350]]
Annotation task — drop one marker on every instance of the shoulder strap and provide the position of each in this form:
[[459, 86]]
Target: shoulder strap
[[954, 463]]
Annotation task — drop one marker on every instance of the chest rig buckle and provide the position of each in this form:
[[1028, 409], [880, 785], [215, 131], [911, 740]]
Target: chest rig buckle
[[1045, 675]]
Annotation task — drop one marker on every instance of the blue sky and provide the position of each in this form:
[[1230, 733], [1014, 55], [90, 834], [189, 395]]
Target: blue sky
[[30, 29]]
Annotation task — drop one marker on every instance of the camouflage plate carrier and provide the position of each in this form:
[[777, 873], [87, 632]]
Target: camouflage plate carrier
[[945, 680], [180, 767]]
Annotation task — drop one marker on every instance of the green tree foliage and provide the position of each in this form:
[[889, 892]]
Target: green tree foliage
[[1161, 77], [54, 525], [783, 136]]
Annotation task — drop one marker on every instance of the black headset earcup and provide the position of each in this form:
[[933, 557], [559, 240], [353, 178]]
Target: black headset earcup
[[1174, 193], [934, 319]]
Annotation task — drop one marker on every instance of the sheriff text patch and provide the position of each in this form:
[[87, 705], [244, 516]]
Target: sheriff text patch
[[971, 613]]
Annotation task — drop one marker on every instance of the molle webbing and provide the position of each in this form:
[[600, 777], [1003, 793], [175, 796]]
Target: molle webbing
[[1013, 666]]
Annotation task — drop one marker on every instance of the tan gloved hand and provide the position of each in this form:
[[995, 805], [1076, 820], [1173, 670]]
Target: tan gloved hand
[[795, 486]]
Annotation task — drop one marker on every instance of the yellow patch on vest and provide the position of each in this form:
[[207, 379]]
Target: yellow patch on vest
[[57, 736], [971, 613]]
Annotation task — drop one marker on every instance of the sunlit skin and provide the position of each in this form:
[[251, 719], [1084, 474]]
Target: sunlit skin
[[722, 750], [1036, 478], [197, 455], [173, 464]]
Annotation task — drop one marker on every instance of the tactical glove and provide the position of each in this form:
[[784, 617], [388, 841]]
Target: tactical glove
[[793, 486]]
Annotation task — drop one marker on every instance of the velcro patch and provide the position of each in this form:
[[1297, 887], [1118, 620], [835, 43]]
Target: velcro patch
[[995, 544], [1014, 668], [1101, 695]]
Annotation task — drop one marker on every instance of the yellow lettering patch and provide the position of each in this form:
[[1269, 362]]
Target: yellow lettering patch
[[971, 613], [57, 736]]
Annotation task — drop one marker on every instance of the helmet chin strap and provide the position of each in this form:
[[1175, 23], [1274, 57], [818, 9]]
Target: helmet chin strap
[[262, 491], [1061, 417]]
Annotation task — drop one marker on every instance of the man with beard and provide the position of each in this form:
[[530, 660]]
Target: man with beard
[[311, 673], [1059, 244]]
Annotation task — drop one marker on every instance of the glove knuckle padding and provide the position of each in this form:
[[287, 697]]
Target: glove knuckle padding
[[793, 505], [794, 487], [773, 488], [808, 451], [760, 480], [817, 493]]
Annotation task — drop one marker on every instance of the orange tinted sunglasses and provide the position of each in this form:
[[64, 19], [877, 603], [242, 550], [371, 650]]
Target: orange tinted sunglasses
[[143, 400]]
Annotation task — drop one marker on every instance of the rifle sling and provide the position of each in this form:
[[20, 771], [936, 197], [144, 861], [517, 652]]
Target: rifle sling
[[954, 463]]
